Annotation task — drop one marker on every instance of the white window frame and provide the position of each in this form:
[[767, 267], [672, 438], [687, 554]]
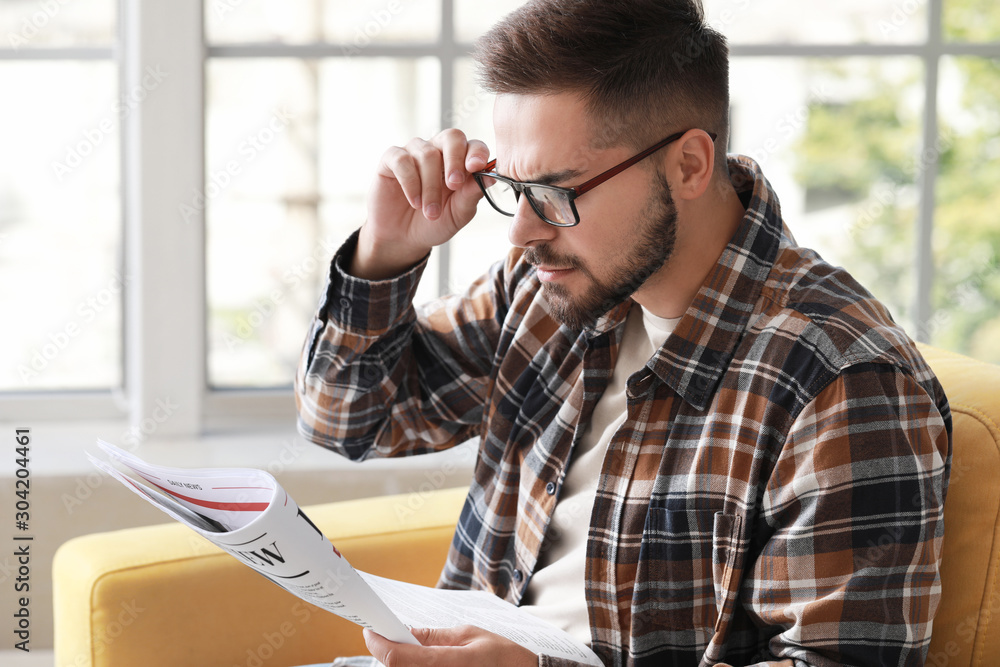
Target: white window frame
[[163, 157]]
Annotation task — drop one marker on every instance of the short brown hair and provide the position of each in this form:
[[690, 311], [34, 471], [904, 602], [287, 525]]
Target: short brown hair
[[646, 68]]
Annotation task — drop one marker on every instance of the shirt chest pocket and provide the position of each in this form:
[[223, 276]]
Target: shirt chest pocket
[[688, 577]]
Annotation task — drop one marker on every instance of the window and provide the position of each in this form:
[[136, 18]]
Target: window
[[61, 276], [876, 122], [302, 99], [178, 252]]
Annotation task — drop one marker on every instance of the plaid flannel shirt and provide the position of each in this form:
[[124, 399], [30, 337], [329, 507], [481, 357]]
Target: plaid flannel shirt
[[776, 490]]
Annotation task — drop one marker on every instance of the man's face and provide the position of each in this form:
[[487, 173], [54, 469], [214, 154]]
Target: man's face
[[627, 224]]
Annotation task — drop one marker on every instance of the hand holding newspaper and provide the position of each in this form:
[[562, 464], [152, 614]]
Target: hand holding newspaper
[[246, 513]]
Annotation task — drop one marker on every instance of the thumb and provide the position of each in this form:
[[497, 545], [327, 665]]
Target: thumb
[[438, 636], [464, 201]]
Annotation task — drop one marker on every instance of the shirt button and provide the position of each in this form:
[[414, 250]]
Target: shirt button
[[550, 488], [345, 303], [518, 576]]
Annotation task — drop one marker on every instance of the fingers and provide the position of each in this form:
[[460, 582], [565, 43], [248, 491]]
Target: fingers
[[436, 647], [453, 145], [391, 654], [457, 636], [430, 168], [380, 647], [451, 647], [399, 165], [477, 155], [425, 170], [462, 156]]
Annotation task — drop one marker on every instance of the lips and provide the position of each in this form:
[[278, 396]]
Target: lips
[[547, 275], [550, 266]]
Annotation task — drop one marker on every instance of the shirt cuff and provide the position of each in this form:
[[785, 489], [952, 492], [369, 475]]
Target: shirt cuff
[[369, 307]]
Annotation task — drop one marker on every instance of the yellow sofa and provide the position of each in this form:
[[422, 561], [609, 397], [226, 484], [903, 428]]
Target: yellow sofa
[[163, 596]]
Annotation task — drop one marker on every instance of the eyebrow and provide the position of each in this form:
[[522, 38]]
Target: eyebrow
[[551, 178]]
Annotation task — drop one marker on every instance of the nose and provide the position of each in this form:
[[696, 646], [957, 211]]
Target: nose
[[528, 228]]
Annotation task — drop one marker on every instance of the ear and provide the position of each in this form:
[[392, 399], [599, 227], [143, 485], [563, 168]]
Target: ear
[[691, 165]]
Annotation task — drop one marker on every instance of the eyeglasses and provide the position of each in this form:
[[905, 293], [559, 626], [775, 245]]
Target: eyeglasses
[[553, 204]]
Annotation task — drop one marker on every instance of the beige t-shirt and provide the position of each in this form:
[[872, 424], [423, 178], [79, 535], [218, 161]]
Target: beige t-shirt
[[556, 590]]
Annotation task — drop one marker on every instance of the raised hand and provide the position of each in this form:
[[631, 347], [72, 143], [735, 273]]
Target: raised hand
[[422, 195]]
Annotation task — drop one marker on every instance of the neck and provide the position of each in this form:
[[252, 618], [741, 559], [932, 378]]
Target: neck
[[704, 227]]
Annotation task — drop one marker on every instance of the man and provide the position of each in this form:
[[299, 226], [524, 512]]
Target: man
[[692, 431]]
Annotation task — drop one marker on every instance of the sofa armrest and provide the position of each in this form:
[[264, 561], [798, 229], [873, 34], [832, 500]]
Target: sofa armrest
[[162, 595]]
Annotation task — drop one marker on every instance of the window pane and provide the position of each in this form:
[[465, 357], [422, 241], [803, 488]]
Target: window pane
[[971, 20], [766, 21], [402, 101], [291, 21], [359, 23], [354, 24], [838, 140], [60, 226], [28, 24], [797, 22], [289, 164], [474, 17], [966, 293]]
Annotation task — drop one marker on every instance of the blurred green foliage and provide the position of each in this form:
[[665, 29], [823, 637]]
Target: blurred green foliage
[[971, 20], [868, 149]]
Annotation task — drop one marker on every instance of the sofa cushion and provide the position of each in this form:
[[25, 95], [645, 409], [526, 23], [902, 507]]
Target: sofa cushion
[[965, 632]]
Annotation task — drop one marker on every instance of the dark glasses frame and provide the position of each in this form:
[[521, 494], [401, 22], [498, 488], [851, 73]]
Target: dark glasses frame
[[571, 194]]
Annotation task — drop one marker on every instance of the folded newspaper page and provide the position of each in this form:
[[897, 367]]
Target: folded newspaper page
[[246, 513]]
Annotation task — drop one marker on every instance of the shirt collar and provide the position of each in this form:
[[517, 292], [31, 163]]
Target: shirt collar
[[700, 349]]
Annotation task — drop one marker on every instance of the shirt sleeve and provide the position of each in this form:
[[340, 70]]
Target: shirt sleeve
[[378, 378], [852, 520]]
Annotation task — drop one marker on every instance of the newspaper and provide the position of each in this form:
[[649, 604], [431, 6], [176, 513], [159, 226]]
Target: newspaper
[[246, 513]]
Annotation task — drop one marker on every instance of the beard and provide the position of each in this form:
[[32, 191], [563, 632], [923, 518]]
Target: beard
[[626, 269]]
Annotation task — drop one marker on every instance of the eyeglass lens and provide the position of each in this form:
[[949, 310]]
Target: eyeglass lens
[[550, 203]]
